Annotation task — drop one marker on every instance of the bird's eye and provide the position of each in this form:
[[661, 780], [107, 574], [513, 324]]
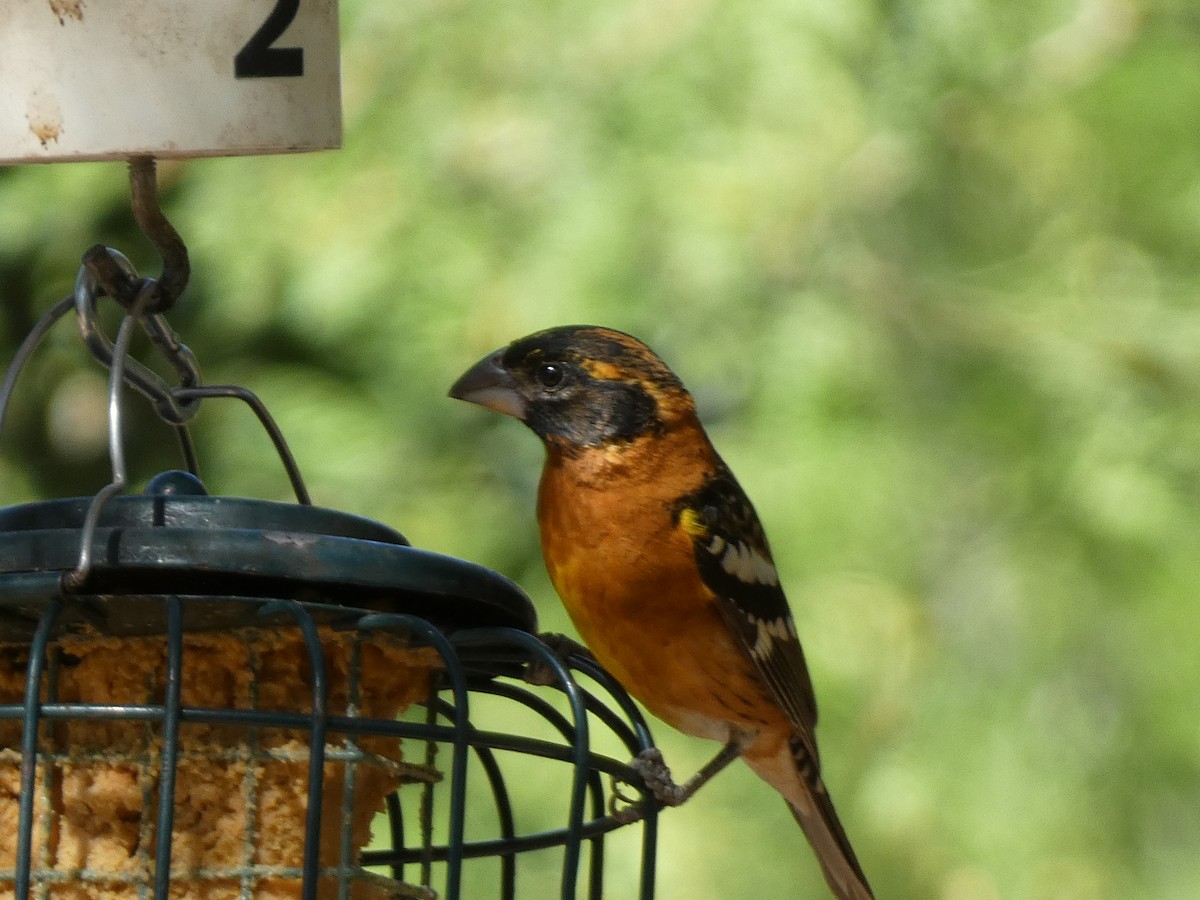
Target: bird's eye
[[550, 375]]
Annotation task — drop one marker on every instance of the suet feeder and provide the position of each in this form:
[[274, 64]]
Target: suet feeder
[[207, 697], [214, 697]]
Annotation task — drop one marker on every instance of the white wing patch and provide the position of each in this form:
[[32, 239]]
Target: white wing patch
[[769, 631], [744, 562]]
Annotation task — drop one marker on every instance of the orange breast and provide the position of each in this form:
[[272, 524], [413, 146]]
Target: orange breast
[[627, 576]]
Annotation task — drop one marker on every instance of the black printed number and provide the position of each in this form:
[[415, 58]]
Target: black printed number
[[258, 59]]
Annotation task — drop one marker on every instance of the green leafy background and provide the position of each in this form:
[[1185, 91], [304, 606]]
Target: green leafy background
[[930, 270]]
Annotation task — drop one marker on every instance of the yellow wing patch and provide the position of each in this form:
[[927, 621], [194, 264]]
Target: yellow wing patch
[[692, 523], [738, 559]]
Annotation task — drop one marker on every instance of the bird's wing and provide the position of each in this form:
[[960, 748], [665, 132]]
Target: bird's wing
[[735, 564]]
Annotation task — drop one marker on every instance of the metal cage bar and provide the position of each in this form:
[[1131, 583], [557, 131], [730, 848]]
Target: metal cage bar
[[170, 749], [29, 747]]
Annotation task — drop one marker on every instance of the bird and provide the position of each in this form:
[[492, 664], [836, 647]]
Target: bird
[[664, 568]]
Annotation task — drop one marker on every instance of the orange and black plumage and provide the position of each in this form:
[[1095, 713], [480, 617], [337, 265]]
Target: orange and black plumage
[[662, 564]]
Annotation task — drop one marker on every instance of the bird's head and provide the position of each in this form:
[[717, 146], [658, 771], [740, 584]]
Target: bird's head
[[578, 386]]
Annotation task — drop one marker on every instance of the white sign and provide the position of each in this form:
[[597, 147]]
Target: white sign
[[110, 79]]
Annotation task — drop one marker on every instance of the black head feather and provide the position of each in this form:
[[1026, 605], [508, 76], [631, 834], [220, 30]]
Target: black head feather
[[578, 386]]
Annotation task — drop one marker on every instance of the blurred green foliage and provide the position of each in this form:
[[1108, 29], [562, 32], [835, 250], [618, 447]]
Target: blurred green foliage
[[931, 271]]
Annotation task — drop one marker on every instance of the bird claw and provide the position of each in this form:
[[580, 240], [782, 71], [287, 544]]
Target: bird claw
[[654, 771], [631, 812], [539, 672]]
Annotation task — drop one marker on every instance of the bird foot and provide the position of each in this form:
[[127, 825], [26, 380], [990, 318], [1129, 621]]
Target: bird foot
[[539, 671], [649, 765], [633, 809], [654, 771]]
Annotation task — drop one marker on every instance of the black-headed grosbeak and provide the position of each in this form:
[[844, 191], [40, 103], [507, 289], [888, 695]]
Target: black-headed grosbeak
[[664, 568]]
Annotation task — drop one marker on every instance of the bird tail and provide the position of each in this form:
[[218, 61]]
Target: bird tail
[[823, 830], [795, 775]]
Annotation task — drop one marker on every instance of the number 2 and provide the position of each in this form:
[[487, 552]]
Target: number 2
[[258, 59]]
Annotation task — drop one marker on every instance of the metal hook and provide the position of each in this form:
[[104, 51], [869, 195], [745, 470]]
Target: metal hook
[[107, 273], [143, 185], [89, 287]]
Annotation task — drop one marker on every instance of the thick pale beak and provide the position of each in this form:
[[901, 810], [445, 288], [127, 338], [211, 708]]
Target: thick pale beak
[[489, 384]]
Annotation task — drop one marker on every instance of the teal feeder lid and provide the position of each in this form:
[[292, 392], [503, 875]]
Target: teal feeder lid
[[223, 556]]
